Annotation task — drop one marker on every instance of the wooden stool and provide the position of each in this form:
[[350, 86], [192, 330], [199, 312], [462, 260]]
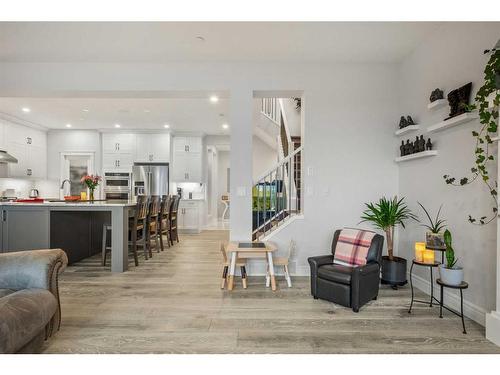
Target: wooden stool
[[164, 220], [173, 219]]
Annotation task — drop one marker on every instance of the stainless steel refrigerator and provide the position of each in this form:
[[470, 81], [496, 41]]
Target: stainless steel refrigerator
[[150, 178]]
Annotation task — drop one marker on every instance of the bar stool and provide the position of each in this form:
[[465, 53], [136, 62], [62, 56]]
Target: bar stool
[[173, 219], [152, 222], [135, 227], [164, 221]]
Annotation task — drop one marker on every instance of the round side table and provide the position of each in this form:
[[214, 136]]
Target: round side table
[[422, 264], [463, 285]]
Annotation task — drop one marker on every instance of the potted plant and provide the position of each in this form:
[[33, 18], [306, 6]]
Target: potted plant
[[450, 274], [434, 238], [385, 215]]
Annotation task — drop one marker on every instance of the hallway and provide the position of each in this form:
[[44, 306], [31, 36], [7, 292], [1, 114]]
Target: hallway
[[172, 303]]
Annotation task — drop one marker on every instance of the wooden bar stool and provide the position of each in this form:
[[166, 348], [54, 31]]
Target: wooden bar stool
[[136, 227], [152, 223], [239, 263], [173, 219], [164, 221]]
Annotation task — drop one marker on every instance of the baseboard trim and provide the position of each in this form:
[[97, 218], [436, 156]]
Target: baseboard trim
[[451, 300]]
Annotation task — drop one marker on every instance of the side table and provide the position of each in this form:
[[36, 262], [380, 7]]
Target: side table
[[431, 266], [463, 285]]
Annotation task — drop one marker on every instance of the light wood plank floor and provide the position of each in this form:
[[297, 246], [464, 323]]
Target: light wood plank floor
[[172, 303]]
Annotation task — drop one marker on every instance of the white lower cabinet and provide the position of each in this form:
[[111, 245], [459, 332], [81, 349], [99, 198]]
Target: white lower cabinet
[[190, 215]]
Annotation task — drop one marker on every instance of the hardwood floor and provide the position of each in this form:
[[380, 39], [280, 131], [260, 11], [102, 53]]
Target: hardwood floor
[[173, 303]]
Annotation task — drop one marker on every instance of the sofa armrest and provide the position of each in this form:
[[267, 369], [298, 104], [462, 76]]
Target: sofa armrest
[[34, 269], [315, 263], [31, 269]]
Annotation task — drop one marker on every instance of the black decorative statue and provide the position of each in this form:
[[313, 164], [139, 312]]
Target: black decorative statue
[[403, 123], [421, 143], [436, 95], [459, 99], [428, 146], [402, 148], [408, 147], [409, 120]]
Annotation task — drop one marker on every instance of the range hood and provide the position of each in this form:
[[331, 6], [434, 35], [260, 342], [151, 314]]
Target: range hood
[[7, 158]]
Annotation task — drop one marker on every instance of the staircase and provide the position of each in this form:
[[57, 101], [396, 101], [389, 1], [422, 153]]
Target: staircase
[[276, 195]]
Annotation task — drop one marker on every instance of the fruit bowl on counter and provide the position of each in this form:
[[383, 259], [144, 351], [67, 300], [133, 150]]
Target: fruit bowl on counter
[[72, 198]]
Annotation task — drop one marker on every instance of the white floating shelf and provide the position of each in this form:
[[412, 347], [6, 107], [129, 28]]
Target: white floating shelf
[[437, 104], [461, 119], [418, 155], [407, 129]]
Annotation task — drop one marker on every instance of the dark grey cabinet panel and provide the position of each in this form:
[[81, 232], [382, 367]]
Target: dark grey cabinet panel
[[25, 228]]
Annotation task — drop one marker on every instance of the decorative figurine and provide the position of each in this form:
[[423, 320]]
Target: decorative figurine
[[421, 143], [409, 120], [428, 146], [459, 100], [403, 123], [436, 95], [407, 147], [402, 148], [416, 145]]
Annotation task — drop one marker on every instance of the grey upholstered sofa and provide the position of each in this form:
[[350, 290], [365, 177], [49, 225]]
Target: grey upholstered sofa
[[29, 298]]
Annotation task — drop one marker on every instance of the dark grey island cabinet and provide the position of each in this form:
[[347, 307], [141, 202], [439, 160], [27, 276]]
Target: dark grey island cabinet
[[75, 228]]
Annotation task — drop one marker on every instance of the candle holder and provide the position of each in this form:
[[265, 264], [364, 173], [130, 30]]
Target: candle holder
[[419, 251]]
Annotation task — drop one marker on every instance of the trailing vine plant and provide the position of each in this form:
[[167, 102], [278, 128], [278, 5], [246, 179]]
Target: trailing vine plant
[[488, 118]]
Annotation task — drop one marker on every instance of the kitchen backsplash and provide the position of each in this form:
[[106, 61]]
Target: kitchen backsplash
[[197, 189], [22, 187]]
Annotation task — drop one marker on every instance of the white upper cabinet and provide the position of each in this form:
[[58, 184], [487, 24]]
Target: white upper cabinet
[[187, 159], [153, 148], [118, 142], [29, 147], [187, 144]]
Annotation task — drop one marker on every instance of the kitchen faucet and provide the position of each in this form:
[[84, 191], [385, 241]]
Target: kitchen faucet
[[63, 182]]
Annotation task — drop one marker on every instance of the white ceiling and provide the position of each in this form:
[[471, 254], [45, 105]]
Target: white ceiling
[[183, 115], [159, 42]]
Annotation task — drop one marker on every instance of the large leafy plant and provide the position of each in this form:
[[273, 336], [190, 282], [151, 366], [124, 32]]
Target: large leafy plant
[[385, 215], [488, 117], [436, 225]]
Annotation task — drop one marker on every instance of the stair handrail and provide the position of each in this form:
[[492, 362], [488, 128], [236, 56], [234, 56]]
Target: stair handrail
[[280, 163], [271, 108]]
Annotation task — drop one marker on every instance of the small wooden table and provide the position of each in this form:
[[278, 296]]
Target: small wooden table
[[234, 249]]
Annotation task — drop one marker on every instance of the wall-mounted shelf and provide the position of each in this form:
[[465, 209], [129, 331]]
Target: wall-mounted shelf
[[418, 155], [461, 119], [407, 129], [437, 104]]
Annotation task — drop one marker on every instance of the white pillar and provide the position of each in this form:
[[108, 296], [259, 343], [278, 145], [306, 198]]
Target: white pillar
[[241, 107], [493, 318]]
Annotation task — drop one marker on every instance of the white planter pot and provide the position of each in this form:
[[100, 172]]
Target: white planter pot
[[451, 276]]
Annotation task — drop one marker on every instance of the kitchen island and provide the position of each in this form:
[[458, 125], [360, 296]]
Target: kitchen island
[[75, 227]]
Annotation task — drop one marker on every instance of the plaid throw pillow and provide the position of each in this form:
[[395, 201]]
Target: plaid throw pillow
[[352, 246]]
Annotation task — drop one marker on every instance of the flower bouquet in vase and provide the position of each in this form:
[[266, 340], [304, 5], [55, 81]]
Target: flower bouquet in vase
[[92, 182]]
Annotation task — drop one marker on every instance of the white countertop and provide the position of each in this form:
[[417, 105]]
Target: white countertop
[[98, 204], [194, 199]]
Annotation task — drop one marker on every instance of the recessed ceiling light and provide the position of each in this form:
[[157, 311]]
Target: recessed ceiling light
[[117, 125], [147, 111], [68, 125], [26, 110], [214, 99], [85, 110], [225, 126], [200, 38], [166, 126]]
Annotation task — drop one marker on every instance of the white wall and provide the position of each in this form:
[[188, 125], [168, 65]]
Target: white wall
[[349, 112], [292, 117], [449, 59], [223, 162]]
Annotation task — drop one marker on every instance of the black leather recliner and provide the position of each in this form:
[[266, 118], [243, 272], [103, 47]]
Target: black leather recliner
[[348, 286]]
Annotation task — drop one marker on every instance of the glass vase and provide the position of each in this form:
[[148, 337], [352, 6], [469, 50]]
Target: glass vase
[[91, 194]]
